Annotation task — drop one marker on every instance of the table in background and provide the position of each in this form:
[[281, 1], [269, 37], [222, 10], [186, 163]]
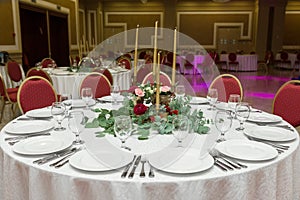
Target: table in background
[[273, 179], [197, 62], [247, 62], [291, 56], [69, 84]]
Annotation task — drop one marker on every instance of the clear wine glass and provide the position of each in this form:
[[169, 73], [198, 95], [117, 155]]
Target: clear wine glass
[[86, 96], [115, 93], [122, 128], [242, 112], [66, 99], [233, 100], [180, 91], [58, 111], [223, 122], [212, 97], [180, 128], [76, 125]]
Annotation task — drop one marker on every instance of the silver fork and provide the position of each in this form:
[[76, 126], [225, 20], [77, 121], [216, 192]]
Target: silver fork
[[142, 174]]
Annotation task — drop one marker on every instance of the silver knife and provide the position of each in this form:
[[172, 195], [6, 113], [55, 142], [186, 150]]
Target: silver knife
[[123, 175], [25, 136], [53, 156], [136, 163]]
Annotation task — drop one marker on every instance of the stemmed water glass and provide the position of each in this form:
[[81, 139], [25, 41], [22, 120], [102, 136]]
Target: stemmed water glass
[[115, 93], [180, 91], [212, 97], [86, 95], [180, 128], [66, 100], [58, 111], [76, 125], [233, 100], [242, 112], [223, 122], [122, 128]]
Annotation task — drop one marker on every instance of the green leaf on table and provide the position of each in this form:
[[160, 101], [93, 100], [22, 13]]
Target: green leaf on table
[[100, 134], [92, 124]]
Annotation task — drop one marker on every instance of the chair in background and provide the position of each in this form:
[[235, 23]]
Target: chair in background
[[98, 82], [34, 71], [15, 73], [264, 64], [164, 79], [123, 60], [297, 62], [286, 102], [48, 61], [35, 92], [106, 73], [7, 98], [284, 61], [227, 84], [232, 62], [188, 65], [169, 62], [221, 64], [143, 72]]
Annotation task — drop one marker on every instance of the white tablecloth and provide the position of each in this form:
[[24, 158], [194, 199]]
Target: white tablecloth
[[69, 84], [268, 180], [246, 62], [291, 56], [200, 63]]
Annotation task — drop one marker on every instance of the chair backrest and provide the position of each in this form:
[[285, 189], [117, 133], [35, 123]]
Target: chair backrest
[[284, 55], [189, 58], [143, 72], [14, 71], [286, 102], [232, 57], [124, 61], [106, 73], [38, 72], [164, 79], [98, 82], [46, 61], [35, 92], [3, 92], [227, 84]]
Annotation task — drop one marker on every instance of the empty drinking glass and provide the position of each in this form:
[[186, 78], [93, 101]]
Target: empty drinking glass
[[86, 96], [76, 125], [66, 99], [58, 111], [115, 94], [122, 127], [180, 128], [223, 122], [242, 112], [233, 100], [212, 97], [180, 91]]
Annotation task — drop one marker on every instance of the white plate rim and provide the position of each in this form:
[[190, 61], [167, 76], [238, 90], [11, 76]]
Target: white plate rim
[[19, 147], [109, 98], [198, 100], [33, 113], [47, 126], [196, 169], [74, 162], [273, 118], [92, 103], [251, 133], [221, 147]]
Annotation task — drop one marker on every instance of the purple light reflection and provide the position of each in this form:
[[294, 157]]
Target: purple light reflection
[[269, 78], [262, 95]]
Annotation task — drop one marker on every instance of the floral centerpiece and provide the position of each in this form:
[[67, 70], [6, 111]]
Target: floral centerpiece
[[140, 105]]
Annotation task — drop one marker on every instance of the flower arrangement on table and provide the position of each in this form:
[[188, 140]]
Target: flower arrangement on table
[[144, 114]]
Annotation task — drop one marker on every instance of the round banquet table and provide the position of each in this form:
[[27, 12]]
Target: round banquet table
[[278, 178], [247, 62], [68, 82]]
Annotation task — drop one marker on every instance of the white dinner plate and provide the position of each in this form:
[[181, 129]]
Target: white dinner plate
[[79, 103], [264, 118], [39, 113], [247, 150], [270, 133], [42, 145], [198, 100], [174, 160], [222, 106], [28, 127], [102, 161], [61, 73], [110, 99]]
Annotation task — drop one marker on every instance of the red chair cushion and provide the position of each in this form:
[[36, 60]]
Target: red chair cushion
[[225, 87], [164, 79], [14, 71], [286, 104], [100, 85], [232, 57]]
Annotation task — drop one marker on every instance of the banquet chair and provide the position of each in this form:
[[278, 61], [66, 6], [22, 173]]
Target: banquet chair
[[123, 60], [232, 61], [35, 92], [15, 74], [38, 72], [46, 61], [188, 65], [7, 98], [227, 84], [169, 62], [98, 82], [106, 73], [286, 102], [143, 72], [297, 62], [164, 79], [284, 61], [221, 64], [264, 64]]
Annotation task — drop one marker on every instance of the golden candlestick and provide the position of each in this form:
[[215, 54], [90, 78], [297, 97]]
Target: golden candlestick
[[135, 54], [174, 60]]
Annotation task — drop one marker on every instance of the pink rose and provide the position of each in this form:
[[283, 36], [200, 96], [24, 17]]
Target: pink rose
[[139, 92], [165, 88]]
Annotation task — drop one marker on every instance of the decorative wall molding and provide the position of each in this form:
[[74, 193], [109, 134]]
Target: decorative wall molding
[[216, 24], [292, 47], [92, 17]]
